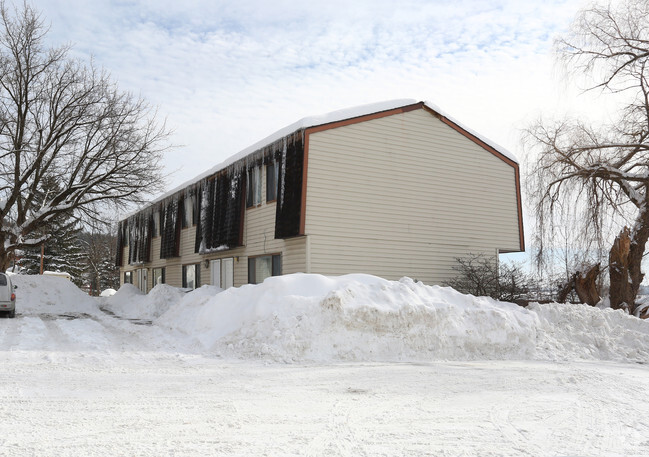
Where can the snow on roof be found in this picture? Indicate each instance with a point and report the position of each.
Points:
(510, 155)
(328, 118)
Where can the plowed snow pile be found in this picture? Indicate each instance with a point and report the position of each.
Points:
(51, 294)
(304, 317)
(131, 303)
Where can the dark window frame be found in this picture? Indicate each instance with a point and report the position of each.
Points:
(153, 276)
(253, 187)
(186, 220)
(276, 266)
(272, 170)
(197, 275)
(155, 231)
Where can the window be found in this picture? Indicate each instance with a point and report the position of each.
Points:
(271, 181)
(253, 187)
(188, 206)
(272, 175)
(128, 277)
(158, 276)
(191, 276)
(156, 224)
(262, 267)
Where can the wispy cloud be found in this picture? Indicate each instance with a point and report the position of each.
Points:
(226, 74)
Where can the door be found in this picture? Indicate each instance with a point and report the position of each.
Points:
(215, 271)
(227, 273)
(142, 279)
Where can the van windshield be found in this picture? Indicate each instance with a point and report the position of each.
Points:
(3, 280)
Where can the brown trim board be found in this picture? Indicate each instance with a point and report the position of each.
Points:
(305, 169)
(364, 117)
(498, 154)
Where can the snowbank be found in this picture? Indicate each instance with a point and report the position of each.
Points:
(131, 303)
(364, 318)
(51, 294)
(571, 332)
(306, 317)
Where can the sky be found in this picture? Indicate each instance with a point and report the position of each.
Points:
(226, 74)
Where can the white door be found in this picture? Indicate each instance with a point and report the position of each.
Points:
(142, 279)
(215, 270)
(227, 273)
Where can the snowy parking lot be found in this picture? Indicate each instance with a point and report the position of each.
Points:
(84, 377)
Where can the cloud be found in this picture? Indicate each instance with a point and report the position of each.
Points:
(225, 74)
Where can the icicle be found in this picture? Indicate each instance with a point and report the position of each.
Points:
(283, 175)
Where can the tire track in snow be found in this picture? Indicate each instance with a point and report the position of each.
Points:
(124, 334)
(58, 340)
(500, 418)
(10, 330)
(338, 438)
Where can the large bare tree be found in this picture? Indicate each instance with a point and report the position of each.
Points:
(65, 120)
(600, 174)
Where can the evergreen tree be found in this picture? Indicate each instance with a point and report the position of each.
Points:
(62, 250)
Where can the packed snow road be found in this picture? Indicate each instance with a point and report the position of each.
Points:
(79, 381)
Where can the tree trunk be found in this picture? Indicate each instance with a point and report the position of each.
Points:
(565, 289)
(625, 259)
(586, 286)
(5, 256)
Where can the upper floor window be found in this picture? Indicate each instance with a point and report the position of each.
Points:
(271, 181)
(156, 224)
(253, 187)
(188, 217)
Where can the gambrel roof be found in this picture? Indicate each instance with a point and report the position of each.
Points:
(347, 114)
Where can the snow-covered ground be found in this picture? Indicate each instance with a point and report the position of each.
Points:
(309, 365)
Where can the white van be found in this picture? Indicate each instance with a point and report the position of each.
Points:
(7, 295)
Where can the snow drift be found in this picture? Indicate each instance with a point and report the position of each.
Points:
(352, 317)
(131, 303)
(304, 317)
(51, 294)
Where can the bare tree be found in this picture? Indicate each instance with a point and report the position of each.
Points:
(61, 118)
(100, 250)
(480, 275)
(599, 176)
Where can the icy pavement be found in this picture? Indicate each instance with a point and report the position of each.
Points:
(153, 404)
(78, 381)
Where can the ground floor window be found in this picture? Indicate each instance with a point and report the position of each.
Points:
(128, 277)
(191, 276)
(262, 267)
(158, 276)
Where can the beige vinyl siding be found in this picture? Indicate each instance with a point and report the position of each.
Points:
(404, 195)
(258, 239)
